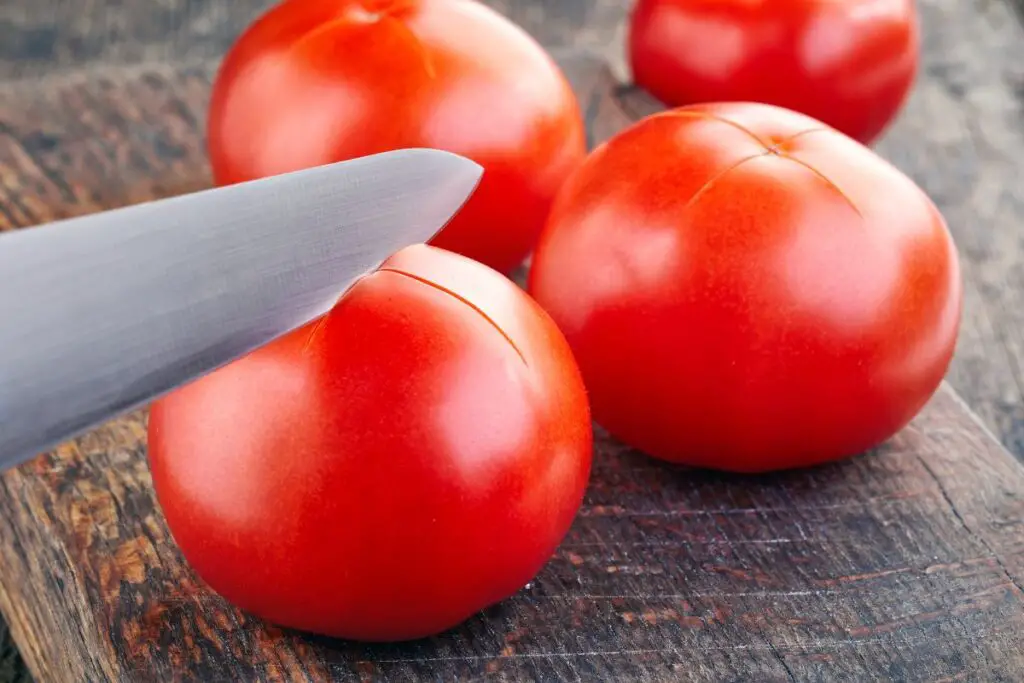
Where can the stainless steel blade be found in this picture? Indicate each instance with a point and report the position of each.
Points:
(101, 314)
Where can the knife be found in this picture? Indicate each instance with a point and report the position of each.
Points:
(104, 313)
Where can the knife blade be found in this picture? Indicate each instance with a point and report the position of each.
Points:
(103, 313)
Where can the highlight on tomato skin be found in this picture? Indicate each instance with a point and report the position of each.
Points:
(312, 82)
(850, 64)
(389, 470)
(747, 289)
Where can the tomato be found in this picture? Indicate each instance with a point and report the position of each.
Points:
(748, 290)
(849, 63)
(317, 82)
(384, 473)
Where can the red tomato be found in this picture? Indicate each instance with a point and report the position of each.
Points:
(746, 289)
(849, 63)
(317, 82)
(386, 472)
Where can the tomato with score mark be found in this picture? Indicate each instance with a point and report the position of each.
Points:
(850, 64)
(387, 471)
(311, 83)
(747, 289)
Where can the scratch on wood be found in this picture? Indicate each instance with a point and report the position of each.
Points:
(956, 513)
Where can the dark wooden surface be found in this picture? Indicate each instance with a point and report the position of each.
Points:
(904, 564)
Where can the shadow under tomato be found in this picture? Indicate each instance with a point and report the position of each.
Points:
(624, 466)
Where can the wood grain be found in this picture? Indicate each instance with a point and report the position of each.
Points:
(906, 563)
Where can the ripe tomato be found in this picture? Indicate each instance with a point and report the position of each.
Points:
(746, 289)
(386, 472)
(317, 82)
(849, 63)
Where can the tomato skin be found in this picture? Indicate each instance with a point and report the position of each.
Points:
(850, 64)
(317, 82)
(746, 289)
(388, 471)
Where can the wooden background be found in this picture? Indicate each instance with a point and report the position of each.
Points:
(961, 137)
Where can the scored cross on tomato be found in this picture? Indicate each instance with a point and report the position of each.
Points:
(748, 289)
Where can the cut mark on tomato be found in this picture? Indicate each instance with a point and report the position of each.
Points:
(465, 301)
(317, 328)
(780, 145)
(707, 116)
(827, 181)
(710, 182)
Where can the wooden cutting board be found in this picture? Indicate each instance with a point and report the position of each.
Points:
(905, 563)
